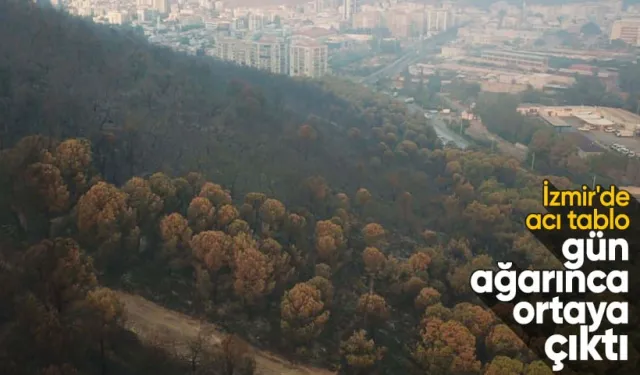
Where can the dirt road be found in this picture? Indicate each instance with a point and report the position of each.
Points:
(152, 322)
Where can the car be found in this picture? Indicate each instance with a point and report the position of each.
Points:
(631, 154)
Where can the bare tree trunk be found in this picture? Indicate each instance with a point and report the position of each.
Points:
(103, 362)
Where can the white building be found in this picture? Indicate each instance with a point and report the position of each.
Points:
(438, 20)
(349, 8)
(162, 6)
(147, 15)
(255, 22)
(268, 53)
(272, 54)
(117, 18)
(308, 58)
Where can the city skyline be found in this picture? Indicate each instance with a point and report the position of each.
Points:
(302, 40)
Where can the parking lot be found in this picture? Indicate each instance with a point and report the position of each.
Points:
(606, 139)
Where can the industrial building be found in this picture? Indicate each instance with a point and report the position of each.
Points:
(558, 124)
(627, 30)
(524, 61)
(594, 120)
(596, 117)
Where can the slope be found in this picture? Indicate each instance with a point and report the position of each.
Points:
(323, 213)
(148, 320)
(147, 108)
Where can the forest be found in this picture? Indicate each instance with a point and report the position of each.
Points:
(313, 218)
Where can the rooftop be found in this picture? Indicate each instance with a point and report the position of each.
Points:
(269, 39)
(622, 116)
(593, 119)
(583, 67)
(514, 54)
(555, 121)
(316, 32)
(305, 42)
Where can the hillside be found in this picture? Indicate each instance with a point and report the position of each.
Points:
(154, 323)
(312, 219)
(63, 77)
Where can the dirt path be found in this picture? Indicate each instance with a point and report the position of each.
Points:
(153, 322)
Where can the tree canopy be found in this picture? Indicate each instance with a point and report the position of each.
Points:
(315, 218)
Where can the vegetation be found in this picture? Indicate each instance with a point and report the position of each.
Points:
(588, 90)
(555, 153)
(311, 217)
(425, 92)
(466, 92)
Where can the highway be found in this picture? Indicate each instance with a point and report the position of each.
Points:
(416, 51)
(403, 63)
(392, 69)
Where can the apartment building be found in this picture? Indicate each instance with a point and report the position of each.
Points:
(399, 23)
(267, 53)
(404, 23)
(162, 6)
(520, 60)
(146, 15)
(272, 54)
(367, 20)
(255, 22)
(349, 8)
(438, 20)
(116, 18)
(308, 58)
(235, 50)
(626, 30)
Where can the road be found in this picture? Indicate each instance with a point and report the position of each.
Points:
(403, 63)
(441, 128)
(391, 69)
(426, 47)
